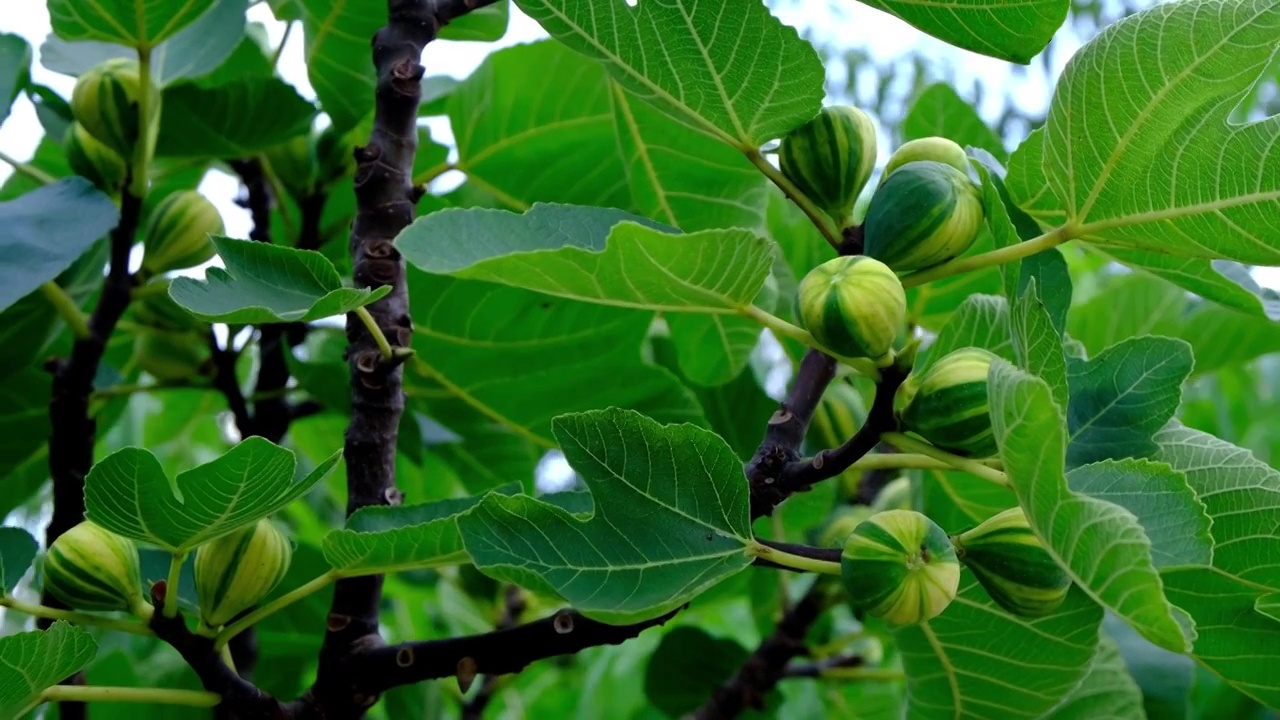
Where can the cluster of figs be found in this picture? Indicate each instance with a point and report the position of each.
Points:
(92, 569)
(926, 209)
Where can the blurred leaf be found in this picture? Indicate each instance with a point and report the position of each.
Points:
(1164, 678)
(140, 24)
(15, 70)
(265, 283)
(17, 552)
(1106, 690)
(236, 119)
(939, 112)
(1013, 32)
(688, 666)
(46, 230)
(338, 57)
(484, 24)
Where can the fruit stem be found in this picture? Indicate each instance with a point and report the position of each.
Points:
(795, 562)
(67, 309)
(384, 347)
(276, 605)
(880, 674)
(147, 97)
(784, 329)
(99, 693)
(908, 461)
(969, 465)
(27, 169)
(1006, 254)
(171, 584)
(72, 616)
(816, 216)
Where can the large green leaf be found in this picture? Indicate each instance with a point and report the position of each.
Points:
(593, 254)
(194, 52)
(17, 552)
(1015, 32)
(939, 112)
(46, 230)
(1107, 690)
(1101, 545)
(1172, 516)
(265, 283)
(572, 356)
(959, 664)
(1120, 398)
(671, 519)
(235, 119)
(1037, 344)
(15, 70)
(339, 59)
(128, 493)
(1138, 148)
(740, 76)
(407, 537)
(1219, 281)
(31, 662)
(534, 123)
(140, 24)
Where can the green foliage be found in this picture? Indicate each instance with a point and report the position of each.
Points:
(609, 312)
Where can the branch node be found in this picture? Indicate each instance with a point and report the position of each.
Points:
(563, 622)
(466, 673)
(404, 657)
(337, 623)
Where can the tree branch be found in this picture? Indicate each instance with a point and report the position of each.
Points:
(768, 664)
(385, 201)
(73, 431)
(494, 653)
(785, 432)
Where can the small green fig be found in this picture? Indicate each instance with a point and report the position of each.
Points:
(91, 568)
(234, 572)
(948, 406)
(178, 233)
(923, 214)
(830, 158)
(854, 306)
(900, 566)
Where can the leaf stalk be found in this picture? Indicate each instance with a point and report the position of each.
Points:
(969, 465)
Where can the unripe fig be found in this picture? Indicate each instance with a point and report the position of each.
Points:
(236, 571)
(90, 568)
(854, 306)
(170, 355)
(93, 160)
(895, 495)
(842, 524)
(1012, 565)
(947, 405)
(178, 233)
(156, 310)
(900, 566)
(830, 158)
(922, 215)
(938, 149)
(105, 100)
(294, 163)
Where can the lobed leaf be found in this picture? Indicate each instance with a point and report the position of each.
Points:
(17, 552)
(593, 255)
(388, 539)
(265, 283)
(140, 24)
(1139, 148)
(31, 662)
(128, 493)
(741, 75)
(671, 519)
(1100, 544)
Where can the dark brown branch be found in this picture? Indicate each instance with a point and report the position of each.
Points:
(513, 605)
(760, 674)
(815, 669)
(494, 653)
(385, 201)
(801, 475)
(73, 431)
(785, 432)
(239, 696)
(227, 382)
